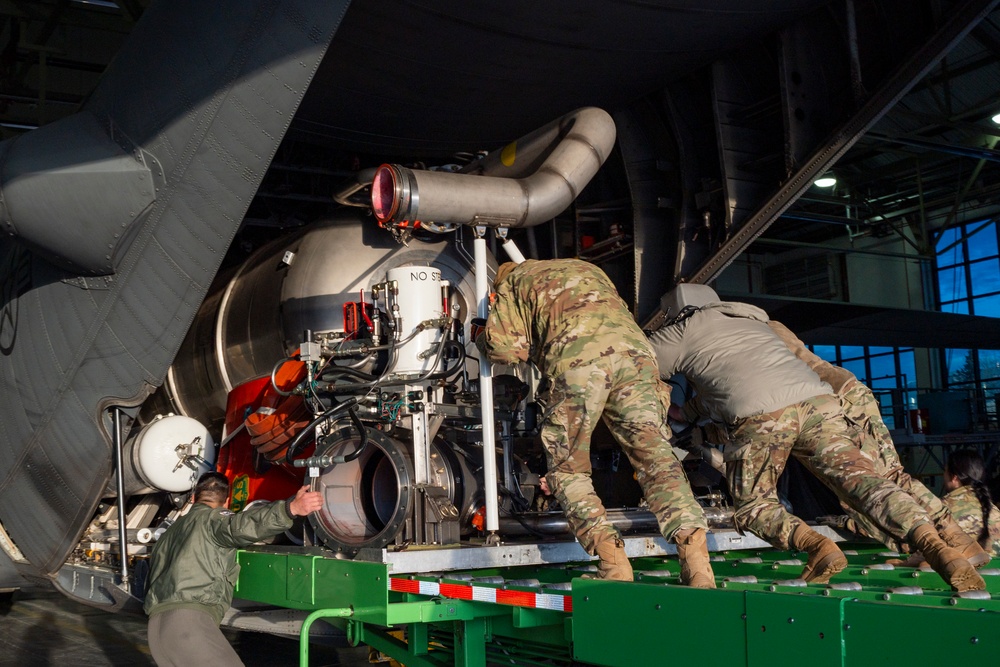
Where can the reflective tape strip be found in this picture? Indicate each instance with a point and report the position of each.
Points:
(556, 602)
(456, 591)
(404, 585)
(484, 594)
(511, 598)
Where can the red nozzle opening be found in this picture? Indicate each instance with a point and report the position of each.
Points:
(385, 193)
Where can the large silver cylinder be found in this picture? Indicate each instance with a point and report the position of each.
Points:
(256, 314)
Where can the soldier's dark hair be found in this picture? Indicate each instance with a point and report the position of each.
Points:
(968, 466)
(213, 487)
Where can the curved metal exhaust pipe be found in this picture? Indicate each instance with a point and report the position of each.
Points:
(531, 180)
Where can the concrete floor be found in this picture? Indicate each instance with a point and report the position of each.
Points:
(40, 626)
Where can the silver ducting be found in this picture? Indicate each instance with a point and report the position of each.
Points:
(531, 180)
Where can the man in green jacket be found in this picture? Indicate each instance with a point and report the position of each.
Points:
(193, 570)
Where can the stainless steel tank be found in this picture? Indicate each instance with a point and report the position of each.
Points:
(257, 314)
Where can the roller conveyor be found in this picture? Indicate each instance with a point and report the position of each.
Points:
(760, 614)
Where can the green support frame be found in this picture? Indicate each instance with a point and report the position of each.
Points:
(759, 616)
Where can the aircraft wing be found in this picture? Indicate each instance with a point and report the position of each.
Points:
(119, 218)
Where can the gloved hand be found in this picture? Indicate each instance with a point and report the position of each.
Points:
(477, 332)
(477, 326)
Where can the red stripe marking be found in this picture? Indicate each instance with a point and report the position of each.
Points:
(457, 591)
(516, 598)
(463, 592)
(405, 585)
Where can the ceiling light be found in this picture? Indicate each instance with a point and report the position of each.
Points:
(825, 181)
(996, 119)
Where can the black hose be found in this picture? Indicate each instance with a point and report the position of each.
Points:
(462, 356)
(429, 375)
(346, 370)
(516, 516)
(364, 436)
(296, 443)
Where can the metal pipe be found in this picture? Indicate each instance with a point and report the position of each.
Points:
(625, 520)
(563, 156)
(532, 243)
(486, 389)
(857, 87)
(342, 612)
(120, 484)
(353, 192)
(513, 251)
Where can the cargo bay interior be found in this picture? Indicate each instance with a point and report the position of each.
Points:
(833, 162)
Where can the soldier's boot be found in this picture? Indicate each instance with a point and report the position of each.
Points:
(825, 557)
(614, 565)
(692, 552)
(946, 561)
(955, 537)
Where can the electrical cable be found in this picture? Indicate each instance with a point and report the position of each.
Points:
(300, 437)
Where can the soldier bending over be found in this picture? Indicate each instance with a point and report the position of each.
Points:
(566, 316)
(775, 406)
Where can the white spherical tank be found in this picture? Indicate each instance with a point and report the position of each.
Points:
(171, 453)
(419, 299)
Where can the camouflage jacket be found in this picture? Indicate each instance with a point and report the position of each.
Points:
(965, 507)
(559, 314)
(737, 364)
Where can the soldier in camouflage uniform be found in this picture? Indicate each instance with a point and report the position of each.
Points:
(566, 317)
(968, 499)
(776, 406)
(862, 411)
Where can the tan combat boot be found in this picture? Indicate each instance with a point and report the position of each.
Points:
(825, 557)
(692, 552)
(946, 561)
(614, 565)
(957, 538)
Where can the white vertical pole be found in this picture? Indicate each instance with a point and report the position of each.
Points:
(486, 388)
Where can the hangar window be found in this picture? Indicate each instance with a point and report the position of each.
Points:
(968, 269)
(889, 371)
(968, 282)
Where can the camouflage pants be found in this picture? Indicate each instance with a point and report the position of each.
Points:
(626, 390)
(862, 409)
(816, 433)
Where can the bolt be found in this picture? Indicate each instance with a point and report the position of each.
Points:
(791, 620)
(974, 640)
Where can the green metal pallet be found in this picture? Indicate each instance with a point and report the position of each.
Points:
(534, 615)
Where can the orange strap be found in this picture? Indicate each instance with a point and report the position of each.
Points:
(279, 418)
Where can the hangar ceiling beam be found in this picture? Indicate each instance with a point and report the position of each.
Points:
(962, 20)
